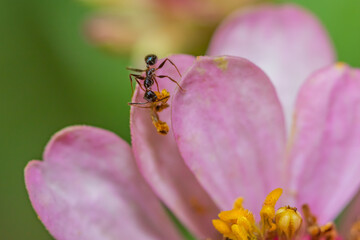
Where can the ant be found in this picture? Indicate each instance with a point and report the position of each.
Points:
(156, 103)
(150, 76)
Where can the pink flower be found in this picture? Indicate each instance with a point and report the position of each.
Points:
(228, 139)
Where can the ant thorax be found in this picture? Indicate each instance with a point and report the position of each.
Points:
(150, 72)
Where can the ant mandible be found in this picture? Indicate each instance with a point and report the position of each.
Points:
(150, 76)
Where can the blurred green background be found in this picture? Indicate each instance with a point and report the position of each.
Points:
(51, 77)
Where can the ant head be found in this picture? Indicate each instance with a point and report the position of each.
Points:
(150, 59)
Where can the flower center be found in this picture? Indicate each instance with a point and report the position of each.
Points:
(285, 223)
(239, 223)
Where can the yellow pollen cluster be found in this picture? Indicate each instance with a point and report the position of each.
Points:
(239, 223)
(158, 106)
(163, 96)
(161, 127)
(267, 212)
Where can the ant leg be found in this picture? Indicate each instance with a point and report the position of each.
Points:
(140, 104)
(157, 84)
(163, 63)
(131, 84)
(164, 76)
(135, 69)
(137, 78)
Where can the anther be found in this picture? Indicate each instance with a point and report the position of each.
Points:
(161, 127)
(236, 224)
(238, 203)
(288, 222)
(222, 227)
(267, 212)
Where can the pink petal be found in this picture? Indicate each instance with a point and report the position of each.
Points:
(325, 153)
(286, 41)
(88, 187)
(230, 130)
(349, 217)
(161, 164)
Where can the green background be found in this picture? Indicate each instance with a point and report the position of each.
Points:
(51, 78)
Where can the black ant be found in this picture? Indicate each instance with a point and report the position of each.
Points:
(156, 103)
(150, 76)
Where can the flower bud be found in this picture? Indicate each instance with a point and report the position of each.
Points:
(288, 222)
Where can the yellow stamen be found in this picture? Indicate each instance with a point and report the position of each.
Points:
(161, 127)
(236, 224)
(158, 106)
(239, 223)
(288, 222)
(222, 227)
(238, 203)
(267, 212)
(239, 232)
(234, 214)
(162, 96)
(273, 197)
(248, 226)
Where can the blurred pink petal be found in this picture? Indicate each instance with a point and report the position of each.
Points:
(325, 150)
(349, 217)
(287, 42)
(230, 129)
(111, 31)
(88, 187)
(161, 164)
